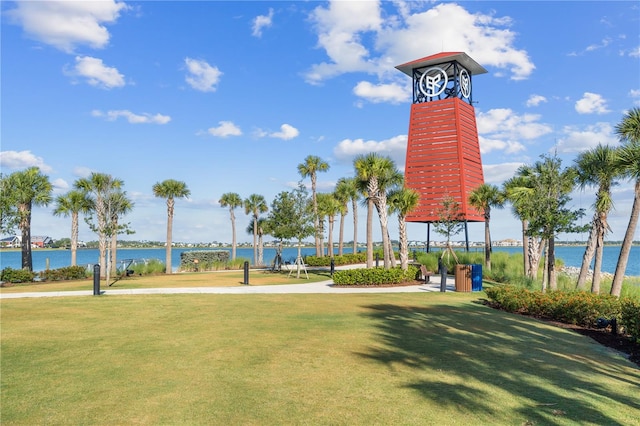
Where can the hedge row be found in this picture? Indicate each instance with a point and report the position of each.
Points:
(202, 259)
(578, 307)
(16, 276)
(375, 276)
(345, 259)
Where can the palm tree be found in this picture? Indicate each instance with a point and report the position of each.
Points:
(311, 166)
(119, 205)
(329, 206)
(628, 130)
(402, 202)
(551, 185)
(597, 167)
(231, 200)
(483, 198)
(340, 194)
(259, 228)
(72, 204)
(170, 189)
(254, 205)
(377, 174)
(28, 188)
(519, 192)
(98, 187)
(347, 188)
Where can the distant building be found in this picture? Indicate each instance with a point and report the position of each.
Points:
(40, 241)
(11, 242)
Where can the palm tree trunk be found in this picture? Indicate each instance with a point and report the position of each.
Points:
(354, 208)
(233, 236)
(595, 283)
(588, 254)
(404, 244)
(381, 207)
(255, 240)
(74, 238)
(114, 248)
(330, 242)
(625, 250)
(487, 245)
(551, 264)
(25, 227)
(525, 247)
(167, 265)
(370, 233)
(341, 236)
(545, 276)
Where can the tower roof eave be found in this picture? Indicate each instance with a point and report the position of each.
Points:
(462, 58)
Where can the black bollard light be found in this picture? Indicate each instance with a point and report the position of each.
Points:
(96, 279)
(443, 277)
(377, 259)
(246, 273)
(333, 266)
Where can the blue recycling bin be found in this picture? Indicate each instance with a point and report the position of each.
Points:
(476, 277)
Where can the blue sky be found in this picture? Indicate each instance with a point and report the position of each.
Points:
(232, 96)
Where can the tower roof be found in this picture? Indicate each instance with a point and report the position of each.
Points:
(439, 58)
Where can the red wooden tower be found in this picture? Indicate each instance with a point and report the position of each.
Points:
(443, 153)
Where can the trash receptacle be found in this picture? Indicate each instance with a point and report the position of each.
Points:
(462, 277)
(476, 277)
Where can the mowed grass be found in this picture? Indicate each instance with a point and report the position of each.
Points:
(336, 359)
(185, 279)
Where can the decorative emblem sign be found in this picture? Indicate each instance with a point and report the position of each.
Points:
(433, 82)
(465, 83)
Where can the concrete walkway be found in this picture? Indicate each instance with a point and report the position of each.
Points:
(311, 288)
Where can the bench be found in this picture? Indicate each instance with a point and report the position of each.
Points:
(425, 275)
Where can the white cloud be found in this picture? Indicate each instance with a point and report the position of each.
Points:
(578, 140)
(393, 92)
(97, 73)
(395, 147)
(224, 129)
(82, 172)
(503, 129)
(604, 43)
(342, 27)
(59, 185)
(67, 24)
(339, 29)
(17, 160)
(202, 76)
(592, 103)
(507, 146)
(260, 22)
(286, 132)
(496, 174)
(535, 100)
(144, 118)
(635, 96)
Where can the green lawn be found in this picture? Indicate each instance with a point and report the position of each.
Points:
(338, 359)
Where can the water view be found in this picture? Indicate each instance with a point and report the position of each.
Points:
(570, 255)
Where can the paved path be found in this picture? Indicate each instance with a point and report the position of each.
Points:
(311, 288)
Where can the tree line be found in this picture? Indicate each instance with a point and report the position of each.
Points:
(538, 195)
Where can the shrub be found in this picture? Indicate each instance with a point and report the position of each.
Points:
(66, 273)
(375, 276)
(345, 259)
(630, 317)
(572, 307)
(148, 267)
(14, 276)
(205, 259)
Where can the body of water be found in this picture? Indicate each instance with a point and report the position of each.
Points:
(570, 255)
